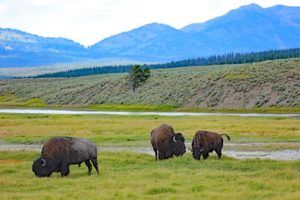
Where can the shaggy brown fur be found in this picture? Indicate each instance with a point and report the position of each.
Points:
(166, 143)
(60, 152)
(205, 142)
(55, 148)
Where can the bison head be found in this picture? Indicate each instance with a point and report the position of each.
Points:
(42, 167)
(177, 142)
(197, 151)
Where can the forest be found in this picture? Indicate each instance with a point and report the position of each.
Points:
(230, 58)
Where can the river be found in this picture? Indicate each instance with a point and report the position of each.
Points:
(84, 112)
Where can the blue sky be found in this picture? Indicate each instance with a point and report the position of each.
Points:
(88, 21)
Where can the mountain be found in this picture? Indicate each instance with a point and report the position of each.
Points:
(245, 29)
(154, 41)
(18, 48)
(251, 28)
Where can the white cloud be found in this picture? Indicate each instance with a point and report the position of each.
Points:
(91, 20)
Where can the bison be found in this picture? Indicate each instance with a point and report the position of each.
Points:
(205, 142)
(166, 143)
(60, 152)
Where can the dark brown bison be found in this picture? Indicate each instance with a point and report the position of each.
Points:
(60, 152)
(205, 142)
(166, 143)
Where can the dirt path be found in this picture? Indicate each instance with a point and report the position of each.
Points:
(285, 154)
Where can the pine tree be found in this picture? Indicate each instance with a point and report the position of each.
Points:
(137, 76)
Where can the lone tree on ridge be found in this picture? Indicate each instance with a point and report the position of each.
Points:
(137, 76)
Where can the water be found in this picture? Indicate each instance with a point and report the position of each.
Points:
(82, 112)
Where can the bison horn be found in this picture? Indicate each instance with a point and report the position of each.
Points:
(190, 149)
(44, 162)
(174, 139)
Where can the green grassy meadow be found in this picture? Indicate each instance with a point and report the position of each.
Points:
(135, 130)
(129, 175)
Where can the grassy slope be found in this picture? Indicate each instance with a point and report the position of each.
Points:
(135, 130)
(265, 84)
(137, 176)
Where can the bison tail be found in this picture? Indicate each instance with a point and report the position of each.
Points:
(226, 136)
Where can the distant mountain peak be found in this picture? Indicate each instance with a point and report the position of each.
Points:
(155, 26)
(251, 6)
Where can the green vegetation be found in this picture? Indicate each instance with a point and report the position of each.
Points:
(270, 85)
(13, 101)
(231, 58)
(135, 130)
(127, 175)
(137, 76)
(136, 176)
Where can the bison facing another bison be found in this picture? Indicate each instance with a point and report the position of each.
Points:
(205, 142)
(60, 152)
(166, 143)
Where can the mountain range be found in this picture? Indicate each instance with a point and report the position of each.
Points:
(246, 29)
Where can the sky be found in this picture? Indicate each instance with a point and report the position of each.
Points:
(89, 21)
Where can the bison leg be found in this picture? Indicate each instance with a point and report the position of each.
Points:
(219, 149)
(64, 171)
(205, 155)
(95, 163)
(219, 152)
(155, 151)
(88, 164)
(161, 156)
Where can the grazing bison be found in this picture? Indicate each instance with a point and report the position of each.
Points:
(60, 152)
(166, 143)
(205, 142)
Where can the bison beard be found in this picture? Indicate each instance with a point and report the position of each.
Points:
(166, 143)
(59, 152)
(205, 142)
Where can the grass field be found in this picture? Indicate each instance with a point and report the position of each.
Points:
(128, 175)
(136, 176)
(135, 130)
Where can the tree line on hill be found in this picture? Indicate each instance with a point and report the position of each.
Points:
(230, 58)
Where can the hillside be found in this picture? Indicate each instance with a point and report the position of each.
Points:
(265, 84)
(245, 29)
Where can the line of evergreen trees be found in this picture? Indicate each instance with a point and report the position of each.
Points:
(230, 58)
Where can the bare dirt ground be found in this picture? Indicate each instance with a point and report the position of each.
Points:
(235, 150)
